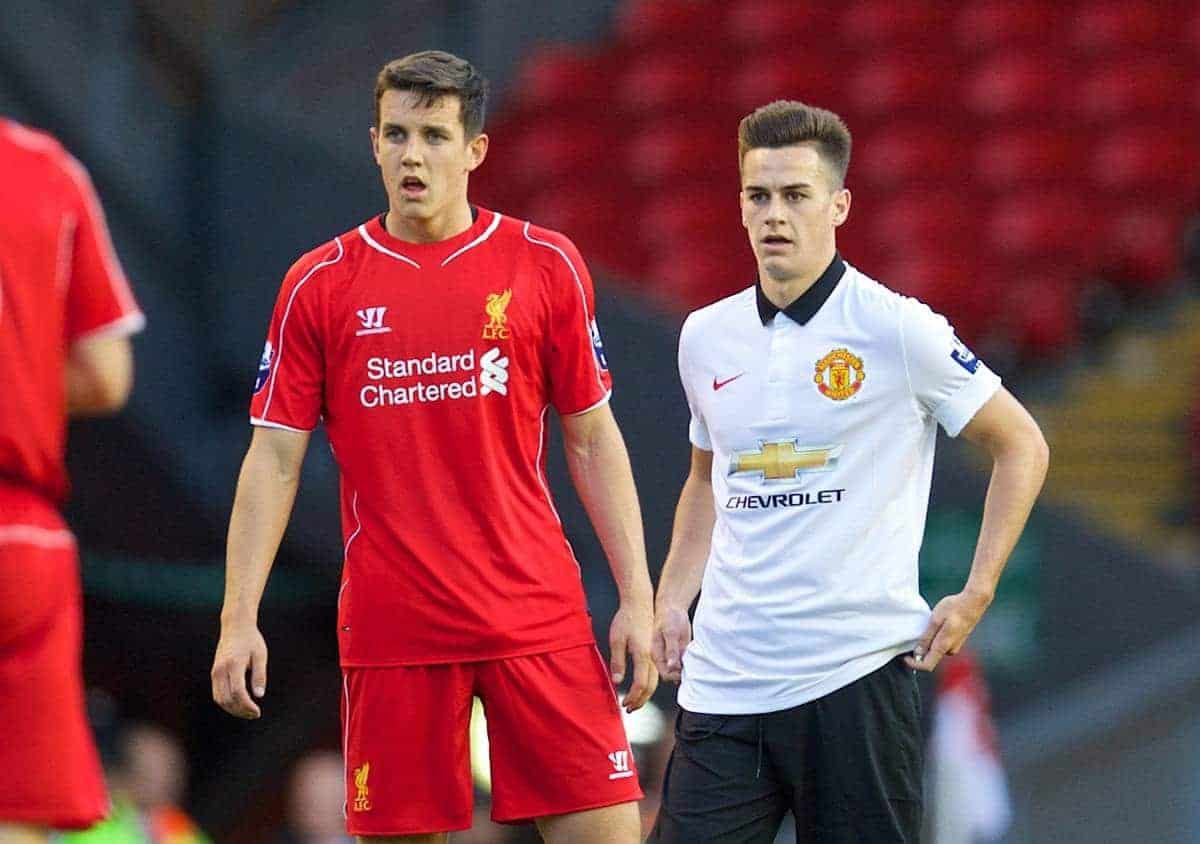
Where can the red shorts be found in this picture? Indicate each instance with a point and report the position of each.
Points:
(50, 772)
(555, 734)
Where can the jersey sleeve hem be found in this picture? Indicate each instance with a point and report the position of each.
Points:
(603, 400)
(956, 411)
(123, 326)
(259, 422)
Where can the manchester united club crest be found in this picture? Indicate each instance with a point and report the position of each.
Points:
(839, 375)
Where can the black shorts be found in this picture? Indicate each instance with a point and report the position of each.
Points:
(848, 766)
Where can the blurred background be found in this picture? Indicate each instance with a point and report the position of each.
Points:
(1029, 168)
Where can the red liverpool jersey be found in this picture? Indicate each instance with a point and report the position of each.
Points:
(59, 283)
(434, 367)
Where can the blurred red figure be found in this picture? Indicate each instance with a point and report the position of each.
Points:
(66, 313)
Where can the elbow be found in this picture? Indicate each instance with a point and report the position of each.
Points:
(112, 394)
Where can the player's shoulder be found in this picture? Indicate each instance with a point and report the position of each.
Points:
(544, 244)
(878, 304)
(328, 254)
(720, 312)
(27, 150)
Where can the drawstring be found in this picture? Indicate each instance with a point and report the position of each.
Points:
(758, 770)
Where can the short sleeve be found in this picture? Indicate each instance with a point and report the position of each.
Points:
(697, 429)
(948, 381)
(99, 299)
(577, 367)
(289, 387)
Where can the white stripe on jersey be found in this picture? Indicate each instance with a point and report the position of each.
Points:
(486, 234)
(374, 244)
(283, 323)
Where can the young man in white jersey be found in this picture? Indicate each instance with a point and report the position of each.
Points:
(432, 342)
(815, 397)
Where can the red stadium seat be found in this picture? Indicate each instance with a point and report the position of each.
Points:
(1142, 87)
(901, 82)
(1142, 247)
(1023, 156)
(549, 151)
(755, 23)
(876, 23)
(1037, 225)
(667, 22)
(694, 214)
(1109, 26)
(560, 76)
(909, 153)
(668, 152)
(1015, 85)
(666, 82)
(693, 277)
(1041, 314)
(943, 219)
(1165, 159)
(780, 76)
(987, 24)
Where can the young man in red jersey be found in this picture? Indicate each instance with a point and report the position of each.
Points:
(66, 313)
(433, 341)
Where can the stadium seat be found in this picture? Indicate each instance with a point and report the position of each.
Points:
(1162, 158)
(662, 83)
(1019, 84)
(922, 218)
(778, 76)
(1036, 225)
(668, 152)
(560, 77)
(693, 214)
(692, 277)
(907, 153)
(1144, 86)
(753, 24)
(1111, 26)
(1012, 157)
(670, 22)
(1040, 314)
(988, 24)
(901, 81)
(552, 151)
(871, 24)
(1142, 247)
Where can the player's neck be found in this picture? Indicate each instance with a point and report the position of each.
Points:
(454, 221)
(781, 292)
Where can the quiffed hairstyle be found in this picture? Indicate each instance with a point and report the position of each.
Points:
(785, 123)
(434, 74)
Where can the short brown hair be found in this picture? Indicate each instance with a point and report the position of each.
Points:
(433, 74)
(785, 123)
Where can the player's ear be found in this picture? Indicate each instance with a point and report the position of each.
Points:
(478, 148)
(841, 206)
(375, 143)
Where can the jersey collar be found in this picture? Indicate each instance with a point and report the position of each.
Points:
(805, 306)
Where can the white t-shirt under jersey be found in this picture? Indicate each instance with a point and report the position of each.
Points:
(822, 421)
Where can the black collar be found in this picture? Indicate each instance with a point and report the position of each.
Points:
(805, 306)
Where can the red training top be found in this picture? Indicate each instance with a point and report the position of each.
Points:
(60, 282)
(434, 367)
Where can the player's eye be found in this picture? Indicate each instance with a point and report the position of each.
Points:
(794, 196)
(435, 137)
(757, 196)
(392, 133)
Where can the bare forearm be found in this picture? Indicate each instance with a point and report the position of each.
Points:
(600, 470)
(690, 541)
(1017, 476)
(99, 376)
(265, 493)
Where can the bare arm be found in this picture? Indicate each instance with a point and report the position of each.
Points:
(265, 492)
(1020, 458)
(684, 569)
(600, 471)
(99, 375)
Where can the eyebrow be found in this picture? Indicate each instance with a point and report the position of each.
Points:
(797, 186)
(442, 127)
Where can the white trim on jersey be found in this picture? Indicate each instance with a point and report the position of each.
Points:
(266, 423)
(119, 327)
(587, 330)
(283, 322)
(36, 535)
(604, 400)
(492, 226)
(346, 744)
(374, 244)
(116, 275)
(350, 540)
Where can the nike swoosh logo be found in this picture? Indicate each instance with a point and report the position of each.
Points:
(719, 384)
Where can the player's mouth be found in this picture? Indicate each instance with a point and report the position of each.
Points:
(776, 243)
(412, 187)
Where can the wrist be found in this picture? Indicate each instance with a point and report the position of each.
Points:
(239, 616)
(981, 595)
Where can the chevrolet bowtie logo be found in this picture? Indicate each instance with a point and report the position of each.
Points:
(784, 460)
